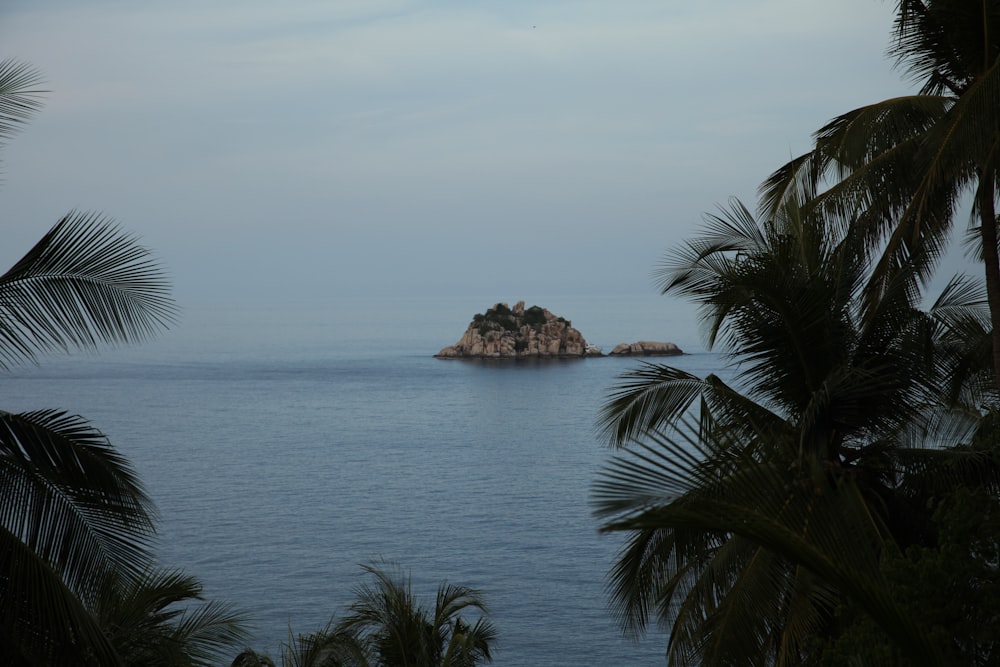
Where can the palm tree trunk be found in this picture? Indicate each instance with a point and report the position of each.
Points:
(991, 259)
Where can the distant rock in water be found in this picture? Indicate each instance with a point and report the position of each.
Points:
(645, 348)
(505, 333)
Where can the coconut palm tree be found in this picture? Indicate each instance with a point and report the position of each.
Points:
(753, 506)
(72, 512)
(902, 168)
(387, 627)
(150, 621)
(397, 631)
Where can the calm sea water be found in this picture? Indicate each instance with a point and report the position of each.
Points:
(286, 445)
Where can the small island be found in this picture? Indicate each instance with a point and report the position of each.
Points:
(503, 332)
(645, 348)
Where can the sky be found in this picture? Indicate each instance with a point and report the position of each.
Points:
(288, 151)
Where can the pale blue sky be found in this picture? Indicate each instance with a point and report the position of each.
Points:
(272, 150)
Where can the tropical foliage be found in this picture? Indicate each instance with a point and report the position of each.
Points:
(151, 620)
(807, 505)
(76, 526)
(902, 169)
(951, 587)
(803, 458)
(386, 626)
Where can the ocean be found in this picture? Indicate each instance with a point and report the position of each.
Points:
(286, 444)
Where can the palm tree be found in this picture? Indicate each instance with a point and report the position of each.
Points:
(72, 512)
(150, 623)
(749, 521)
(386, 618)
(387, 627)
(901, 168)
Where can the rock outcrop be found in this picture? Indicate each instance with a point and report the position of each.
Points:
(645, 348)
(517, 333)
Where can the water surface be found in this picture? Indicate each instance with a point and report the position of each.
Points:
(284, 445)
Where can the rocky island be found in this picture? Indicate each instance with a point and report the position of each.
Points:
(645, 348)
(518, 333)
(503, 332)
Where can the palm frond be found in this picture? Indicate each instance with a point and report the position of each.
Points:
(250, 658)
(329, 647)
(468, 646)
(646, 399)
(387, 623)
(945, 45)
(452, 600)
(209, 632)
(695, 270)
(20, 96)
(42, 621)
(84, 283)
(963, 356)
(800, 518)
(859, 155)
(153, 620)
(72, 498)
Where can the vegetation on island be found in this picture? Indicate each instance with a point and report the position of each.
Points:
(501, 318)
(498, 318)
(534, 317)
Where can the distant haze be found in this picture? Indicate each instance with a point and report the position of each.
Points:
(300, 149)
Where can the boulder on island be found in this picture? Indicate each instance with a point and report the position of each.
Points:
(518, 333)
(645, 348)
